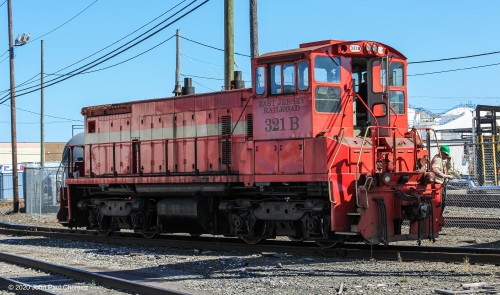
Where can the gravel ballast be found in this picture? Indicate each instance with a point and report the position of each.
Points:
(199, 271)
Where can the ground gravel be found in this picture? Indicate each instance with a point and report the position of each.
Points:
(201, 271)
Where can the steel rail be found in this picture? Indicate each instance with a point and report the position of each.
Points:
(87, 276)
(348, 251)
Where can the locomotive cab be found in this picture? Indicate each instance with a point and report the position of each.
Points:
(334, 113)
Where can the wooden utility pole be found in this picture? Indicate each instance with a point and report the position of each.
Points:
(228, 43)
(254, 29)
(178, 89)
(13, 113)
(42, 131)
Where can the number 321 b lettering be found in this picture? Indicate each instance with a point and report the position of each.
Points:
(281, 124)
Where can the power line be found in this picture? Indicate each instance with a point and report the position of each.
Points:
(213, 47)
(33, 123)
(455, 97)
(453, 58)
(22, 84)
(204, 86)
(124, 37)
(96, 63)
(55, 117)
(201, 77)
(53, 30)
(193, 58)
(122, 62)
(454, 70)
(50, 116)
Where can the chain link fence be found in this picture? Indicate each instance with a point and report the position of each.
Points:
(42, 190)
(473, 198)
(6, 186)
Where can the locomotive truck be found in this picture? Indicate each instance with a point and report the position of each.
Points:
(303, 153)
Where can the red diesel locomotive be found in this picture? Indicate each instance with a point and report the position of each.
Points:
(315, 150)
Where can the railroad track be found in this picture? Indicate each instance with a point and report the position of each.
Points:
(348, 251)
(69, 276)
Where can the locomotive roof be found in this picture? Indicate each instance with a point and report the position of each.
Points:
(316, 46)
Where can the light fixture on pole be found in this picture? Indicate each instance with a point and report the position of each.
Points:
(20, 40)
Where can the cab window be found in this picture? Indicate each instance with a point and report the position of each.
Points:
(275, 79)
(397, 99)
(326, 69)
(259, 80)
(303, 75)
(289, 78)
(327, 99)
(397, 74)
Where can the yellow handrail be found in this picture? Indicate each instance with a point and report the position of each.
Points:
(493, 150)
(481, 138)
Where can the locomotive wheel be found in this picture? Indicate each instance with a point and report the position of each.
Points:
(105, 231)
(149, 235)
(325, 244)
(251, 240)
(106, 227)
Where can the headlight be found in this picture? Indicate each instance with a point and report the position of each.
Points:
(386, 178)
(375, 48)
(368, 48)
(380, 50)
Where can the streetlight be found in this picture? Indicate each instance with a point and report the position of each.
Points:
(20, 40)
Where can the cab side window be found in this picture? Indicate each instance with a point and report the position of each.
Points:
(303, 75)
(260, 80)
(397, 74)
(327, 99)
(289, 78)
(275, 79)
(326, 69)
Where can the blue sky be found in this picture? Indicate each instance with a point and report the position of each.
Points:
(422, 30)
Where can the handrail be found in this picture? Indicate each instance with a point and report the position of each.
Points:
(366, 107)
(342, 130)
(481, 138)
(357, 164)
(359, 157)
(494, 152)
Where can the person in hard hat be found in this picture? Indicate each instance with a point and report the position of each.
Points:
(441, 165)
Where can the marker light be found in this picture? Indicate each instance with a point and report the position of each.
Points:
(375, 48)
(380, 50)
(368, 47)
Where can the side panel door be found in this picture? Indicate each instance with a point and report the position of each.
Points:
(291, 156)
(266, 157)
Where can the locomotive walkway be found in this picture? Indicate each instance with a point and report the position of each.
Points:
(471, 255)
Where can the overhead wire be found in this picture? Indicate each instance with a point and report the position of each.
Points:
(213, 47)
(106, 57)
(117, 41)
(62, 25)
(453, 70)
(50, 116)
(53, 30)
(453, 58)
(127, 60)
